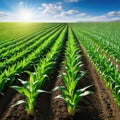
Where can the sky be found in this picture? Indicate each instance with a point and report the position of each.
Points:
(59, 10)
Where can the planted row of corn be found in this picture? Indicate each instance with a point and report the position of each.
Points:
(108, 71)
(19, 67)
(13, 44)
(107, 40)
(12, 40)
(26, 49)
(72, 75)
(109, 45)
(33, 87)
(12, 49)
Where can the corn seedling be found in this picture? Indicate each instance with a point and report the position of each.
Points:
(71, 77)
(30, 91)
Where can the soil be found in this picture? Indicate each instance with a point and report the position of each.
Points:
(97, 106)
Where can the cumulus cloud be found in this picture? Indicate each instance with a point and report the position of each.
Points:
(93, 18)
(99, 18)
(65, 14)
(115, 19)
(69, 12)
(81, 14)
(3, 14)
(55, 11)
(6, 16)
(112, 13)
(71, 0)
(51, 8)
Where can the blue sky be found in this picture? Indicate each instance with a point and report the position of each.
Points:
(59, 10)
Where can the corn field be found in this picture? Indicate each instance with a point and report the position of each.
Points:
(60, 71)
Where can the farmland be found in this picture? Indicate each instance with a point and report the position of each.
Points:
(60, 71)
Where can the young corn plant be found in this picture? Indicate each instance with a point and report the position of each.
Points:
(72, 76)
(30, 90)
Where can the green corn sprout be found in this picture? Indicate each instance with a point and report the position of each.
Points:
(72, 100)
(30, 90)
(71, 77)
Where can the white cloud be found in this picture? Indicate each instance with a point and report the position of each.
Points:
(71, 0)
(81, 14)
(112, 13)
(51, 8)
(115, 19)
(6, 16)
(69, 12)
(99, 18)
(55, 12)
(93, 18)
(3, 14)
(66, 14)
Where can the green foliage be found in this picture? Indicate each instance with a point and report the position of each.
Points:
(96, 53)
(19, 66)
(30, 90)
(71, 77)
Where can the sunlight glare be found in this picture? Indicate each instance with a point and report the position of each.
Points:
(25, 15)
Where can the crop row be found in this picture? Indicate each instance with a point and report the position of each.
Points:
(9, 49)
(26, 49)
(20, 66)
(109, 45)
(107, 40)
(33, 87)
(47, 50)
(12, 31)
(104, 66)
(72, 75)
